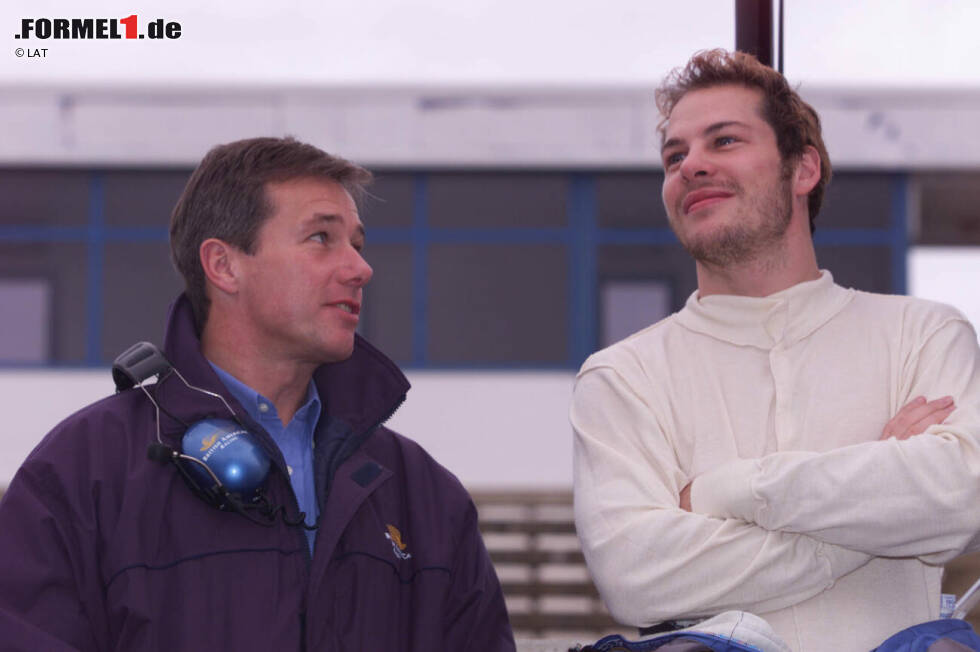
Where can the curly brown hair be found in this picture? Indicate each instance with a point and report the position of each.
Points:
(795, 122)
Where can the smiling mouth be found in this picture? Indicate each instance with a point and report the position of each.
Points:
(703, 203)
(699, 199)
(349, 308)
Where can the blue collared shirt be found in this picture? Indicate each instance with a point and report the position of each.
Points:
(295, 439)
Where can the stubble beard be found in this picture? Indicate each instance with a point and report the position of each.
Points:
(741, 241)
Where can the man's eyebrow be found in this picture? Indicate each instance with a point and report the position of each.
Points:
(718, 126)
(710, 129)
(333, 218)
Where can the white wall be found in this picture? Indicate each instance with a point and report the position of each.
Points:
(492, 429)
(486, 126)
(949, 275)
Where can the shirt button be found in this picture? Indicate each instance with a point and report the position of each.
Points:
(263, 407)
(290, 469)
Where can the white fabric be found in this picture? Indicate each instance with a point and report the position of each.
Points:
(742, 627)
(775, 406)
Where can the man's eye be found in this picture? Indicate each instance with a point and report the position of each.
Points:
(320, 236)
(725, 140)
(673, 159)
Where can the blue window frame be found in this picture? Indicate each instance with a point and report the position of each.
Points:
(581, 239)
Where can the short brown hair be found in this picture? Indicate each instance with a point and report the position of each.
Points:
(225, 198)
(795, 122)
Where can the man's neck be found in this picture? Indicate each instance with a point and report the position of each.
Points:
(285, 383)
(791, 262)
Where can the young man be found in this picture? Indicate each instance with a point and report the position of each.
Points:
(102, 548)
(754, 451)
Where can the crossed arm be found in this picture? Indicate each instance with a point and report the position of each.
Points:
(771, 532)
(652, 561)
(913, 419)
(925, 488)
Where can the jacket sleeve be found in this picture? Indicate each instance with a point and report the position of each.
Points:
(42, 569)
(653, 561)
(477, 616)
(916, 497)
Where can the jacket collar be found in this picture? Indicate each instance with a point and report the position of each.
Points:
(363, 390)
(782, 318)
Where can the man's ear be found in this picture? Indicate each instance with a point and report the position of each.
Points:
(220, 263)
(807, 174)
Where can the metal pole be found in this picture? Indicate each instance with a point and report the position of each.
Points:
(753, 28)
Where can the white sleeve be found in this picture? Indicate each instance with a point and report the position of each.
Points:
(917, 497)
(652, 561)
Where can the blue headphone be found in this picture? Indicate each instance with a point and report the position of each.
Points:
(219, 459)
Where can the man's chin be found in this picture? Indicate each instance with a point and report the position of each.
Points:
(341, 352)
(722, 248)
(332, 352)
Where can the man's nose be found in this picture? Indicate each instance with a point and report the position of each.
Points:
(358, 270)
(696, 163)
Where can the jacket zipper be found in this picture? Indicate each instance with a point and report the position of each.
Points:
(359, 440)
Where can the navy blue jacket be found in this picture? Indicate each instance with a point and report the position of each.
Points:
(104, 549)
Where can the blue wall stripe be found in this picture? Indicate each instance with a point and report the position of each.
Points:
(582, 268)
(96, 269)
(420, 271)
(894, 235)
(899, 234)
(509, 236)
(26, 233)
(137, 234)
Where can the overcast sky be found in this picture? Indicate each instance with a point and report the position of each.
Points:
(489, 42)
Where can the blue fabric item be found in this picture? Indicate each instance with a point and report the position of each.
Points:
(294, 439)
(711, 641)
(921, 637)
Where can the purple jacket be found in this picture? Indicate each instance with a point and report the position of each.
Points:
(103, 549)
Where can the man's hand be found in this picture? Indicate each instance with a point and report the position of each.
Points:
(686, 498)
(916, 416)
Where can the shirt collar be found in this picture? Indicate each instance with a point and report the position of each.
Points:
(252, 401)
(781, 318)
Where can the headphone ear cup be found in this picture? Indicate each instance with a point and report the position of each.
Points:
(231, 453)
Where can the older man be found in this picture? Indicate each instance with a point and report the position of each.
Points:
(364, 541)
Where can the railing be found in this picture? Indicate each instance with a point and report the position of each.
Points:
(532, 542)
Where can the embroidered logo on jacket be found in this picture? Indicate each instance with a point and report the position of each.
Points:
(397, 545)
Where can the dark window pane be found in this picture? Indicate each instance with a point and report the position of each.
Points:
(490, 304)
(857, 200)
(44, 197)
(859, 267)
(631, 200)
(495, 199)
(390, 201)
(627, 307)
(386, 317)
(26, 306)
(65, 267)
(669, 264)
(140, 284)
(142, 198)
(949, 208)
